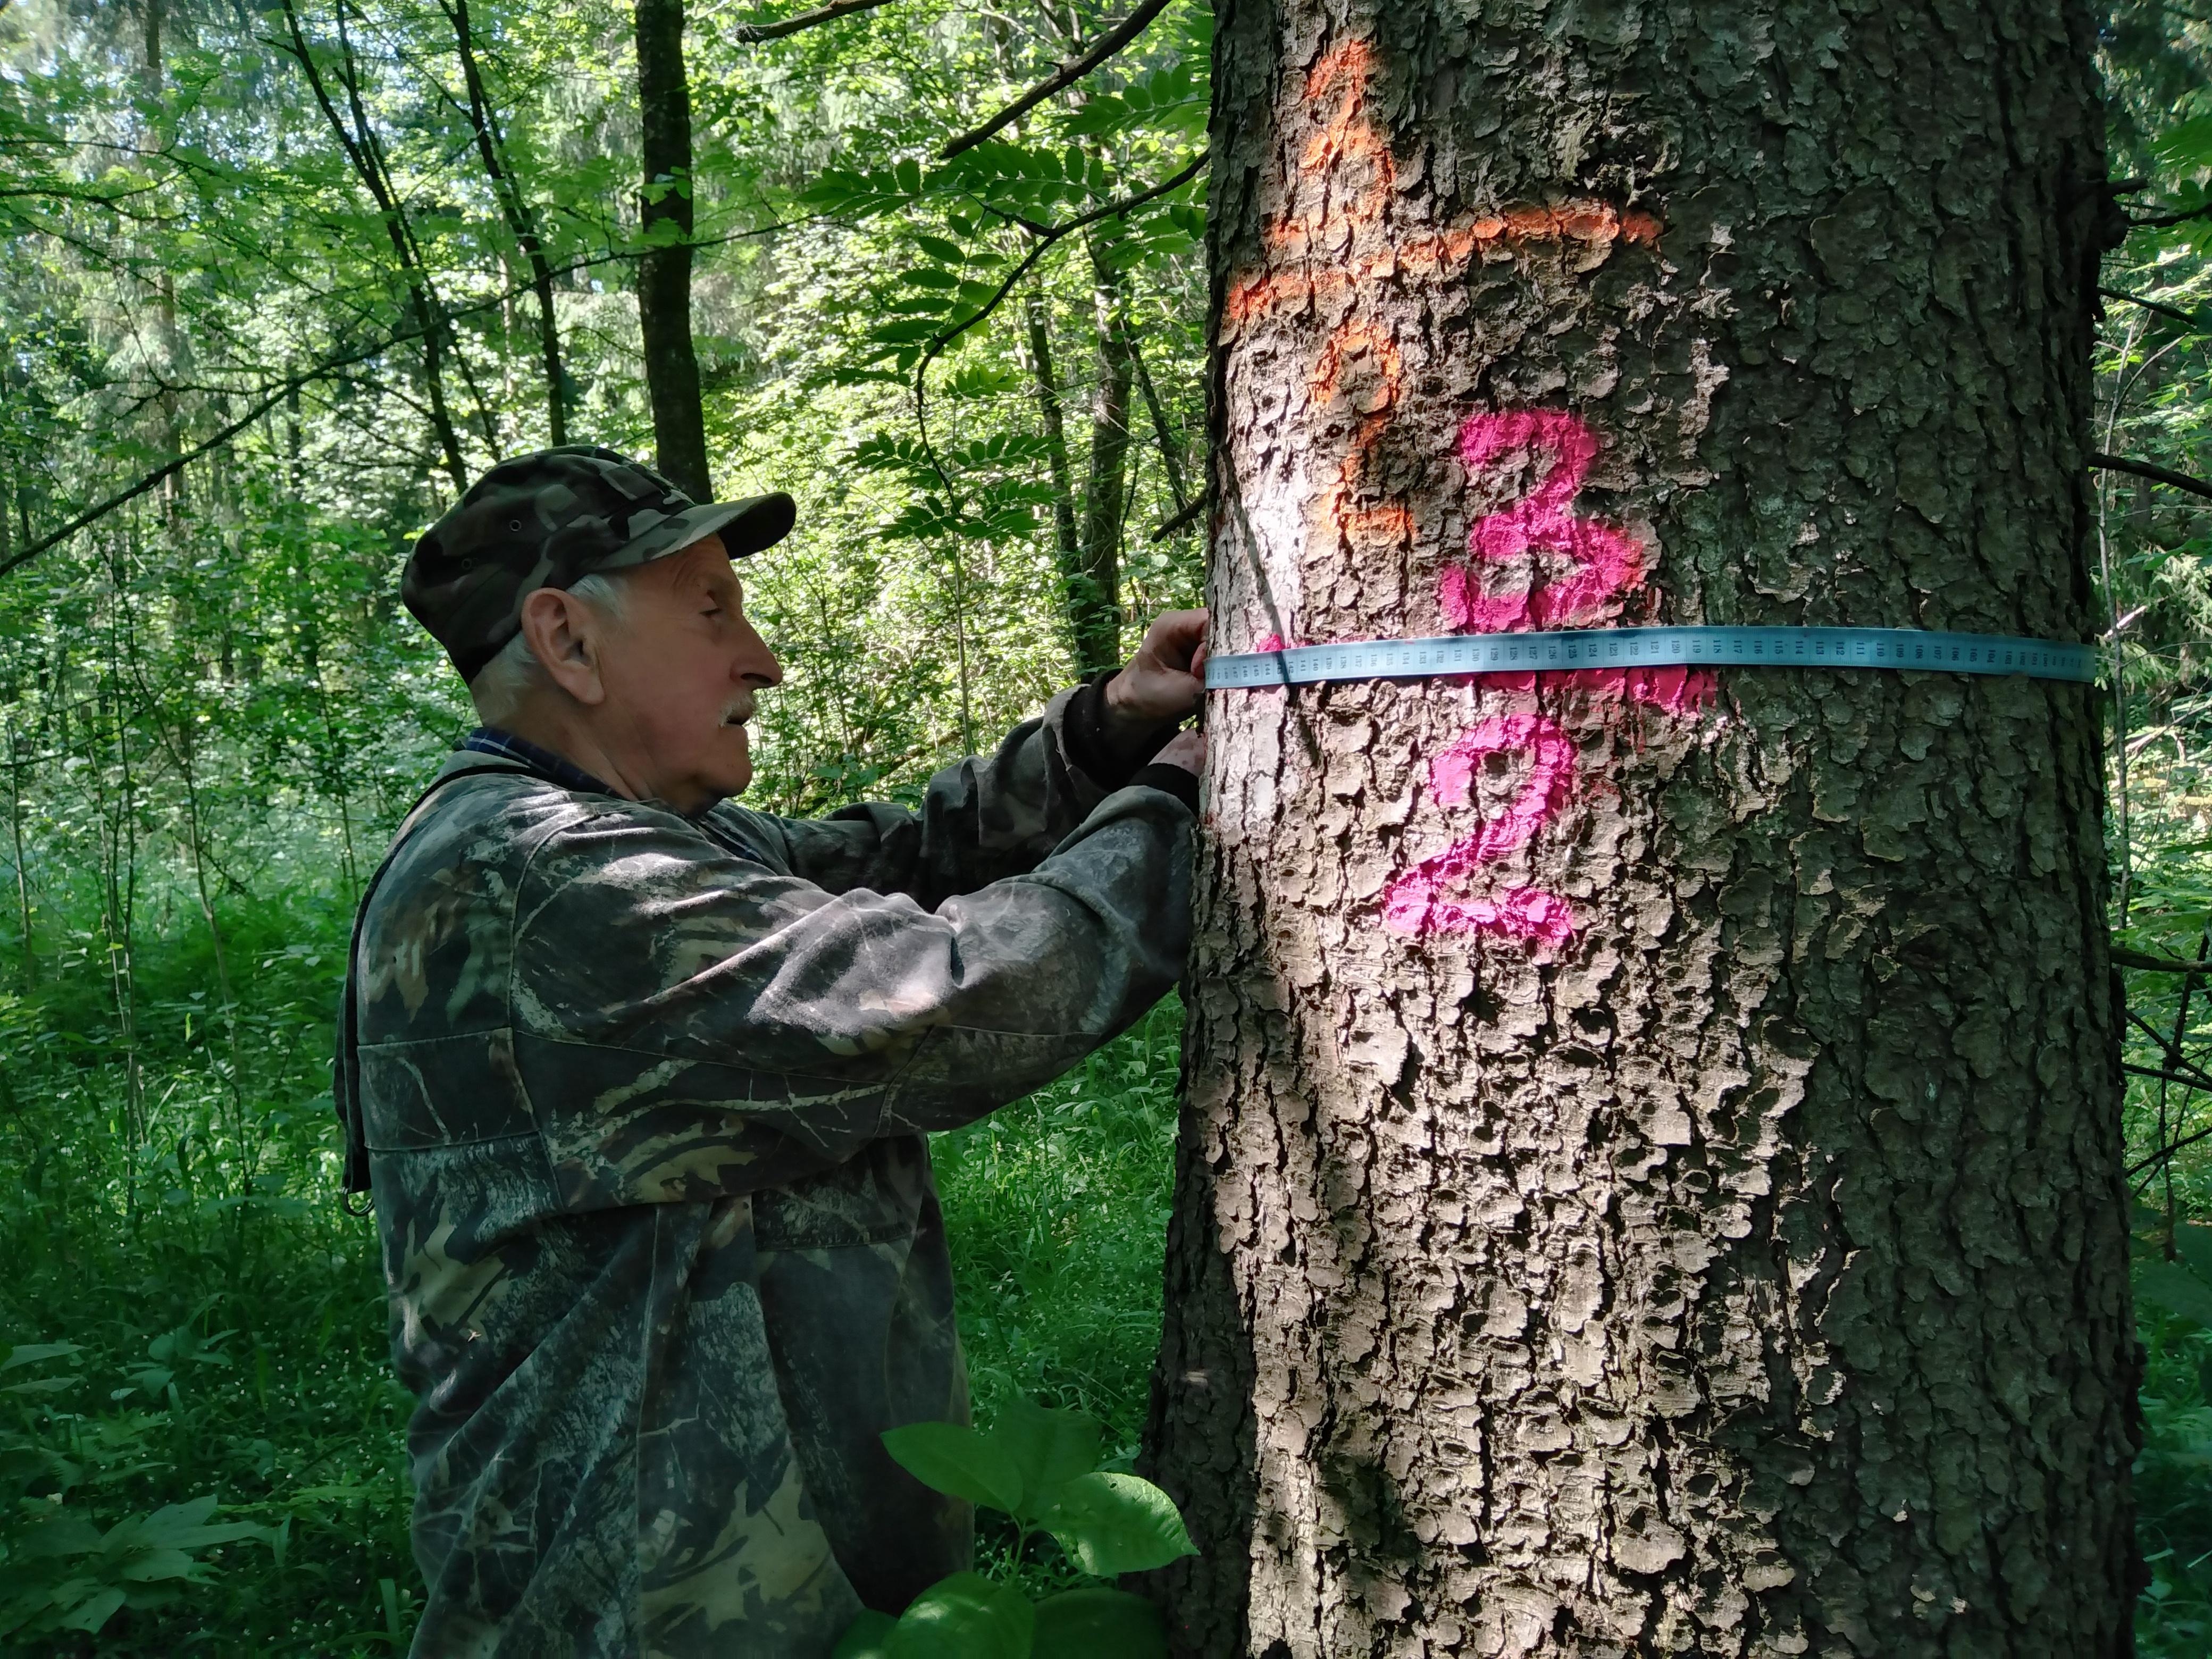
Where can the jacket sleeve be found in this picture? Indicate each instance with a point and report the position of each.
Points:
(980, 820)
(688, 1024)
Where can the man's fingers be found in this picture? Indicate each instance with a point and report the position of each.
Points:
(1175, 635)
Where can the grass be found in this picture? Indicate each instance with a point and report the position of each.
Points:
(233, 1346)
(222, 1335)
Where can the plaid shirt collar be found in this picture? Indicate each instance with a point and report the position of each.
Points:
(490, 740)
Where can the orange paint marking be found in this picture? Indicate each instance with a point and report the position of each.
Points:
(1336, 247)
(1392, 522)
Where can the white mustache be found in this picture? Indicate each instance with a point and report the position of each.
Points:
(736, 711)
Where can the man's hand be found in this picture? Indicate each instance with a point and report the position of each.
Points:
(1163, 682)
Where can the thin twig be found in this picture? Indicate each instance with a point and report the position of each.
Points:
(1110, 43)
(748, 32)
(323, 371)
(2163, 1154)
(2174, 1057)
(2156, 474)
(2134, 1070)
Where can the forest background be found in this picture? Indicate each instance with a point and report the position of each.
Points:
(338, 255)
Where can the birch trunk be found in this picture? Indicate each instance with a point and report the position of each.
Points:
(1649, 1175)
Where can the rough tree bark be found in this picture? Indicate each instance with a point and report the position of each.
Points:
(664, 274)
(1649, 1182)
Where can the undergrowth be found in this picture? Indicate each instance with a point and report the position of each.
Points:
(183, 1331)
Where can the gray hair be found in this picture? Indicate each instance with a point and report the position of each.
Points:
(506, 683)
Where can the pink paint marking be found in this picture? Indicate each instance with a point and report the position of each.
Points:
(1418, 901)
(1678, 692)
(1607, 559)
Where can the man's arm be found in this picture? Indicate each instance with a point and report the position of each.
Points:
(687, 1025)
(989, 817)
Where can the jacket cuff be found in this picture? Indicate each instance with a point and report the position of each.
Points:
(1170, 779)
(1083, 741)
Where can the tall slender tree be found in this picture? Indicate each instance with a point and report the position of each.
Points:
(514, 207)
(1649, 1175)
(664, 274)
(1095, 595)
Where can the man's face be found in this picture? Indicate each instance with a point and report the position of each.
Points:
(680, 670)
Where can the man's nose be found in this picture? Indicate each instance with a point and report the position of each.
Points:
(756, 664)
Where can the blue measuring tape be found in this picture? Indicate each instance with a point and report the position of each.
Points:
(1655, 647)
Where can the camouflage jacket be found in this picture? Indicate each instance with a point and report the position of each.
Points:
(643, 1098)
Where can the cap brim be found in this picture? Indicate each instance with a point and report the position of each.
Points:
(744, 526)
(748, 525)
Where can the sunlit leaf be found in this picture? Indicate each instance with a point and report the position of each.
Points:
(1111, 1524)
(951, 1458)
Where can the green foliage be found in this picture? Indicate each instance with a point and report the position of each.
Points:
(212, 709)
(1039, 1467)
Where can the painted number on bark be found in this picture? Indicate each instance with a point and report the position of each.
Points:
(1341, 248)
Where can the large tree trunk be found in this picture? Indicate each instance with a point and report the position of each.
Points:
(664, 274)
(1649, 1175)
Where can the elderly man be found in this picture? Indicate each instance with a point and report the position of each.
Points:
(639, 1080)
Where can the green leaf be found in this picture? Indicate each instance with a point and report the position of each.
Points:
(948, 1458)
(60, 1532)
(944, 252)
(95, 1612)
(1050, 1447)
(183, 1526)
(931, 276)
(867, 1637)
(904, 333)
(2187, 146)
(2174, 1288)
(29, 1354)
(42, 1385)
(1111, 1524)
(1098, 1624)
(964, 1617)
(909, 175)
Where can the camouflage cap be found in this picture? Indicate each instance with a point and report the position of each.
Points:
(548, 518)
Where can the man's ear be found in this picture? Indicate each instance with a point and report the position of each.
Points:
(567, 637)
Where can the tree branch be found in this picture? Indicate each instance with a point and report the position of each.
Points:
(1110, 43)
(2175, 312)
(2162, 1154)
(2148, 963)
(176, 464)
(270, 397)
(1051, 234)
(805, 20)
(2166, 221)
(1162, 531)
(2156, 474)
